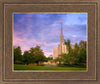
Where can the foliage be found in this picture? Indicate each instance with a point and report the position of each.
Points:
(76, 55)
(82, 52)
(59, 59)
(27, 58)
(34, 55)
(67, 43)
(38, 55)
(49, 58)
(17, 55)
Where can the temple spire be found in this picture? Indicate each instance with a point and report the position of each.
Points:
(61, 34)
(61, 26)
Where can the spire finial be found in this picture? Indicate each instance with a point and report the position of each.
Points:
(61, 20)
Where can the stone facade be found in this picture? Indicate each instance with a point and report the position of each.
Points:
(61, 48)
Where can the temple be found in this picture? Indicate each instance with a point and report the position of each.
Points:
(61, 48)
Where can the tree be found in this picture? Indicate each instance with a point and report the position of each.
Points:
(69, 58)
(38, 54)
(50, 58)
(82, 52)
(59, 59)
(62, 58)
(27, 58)
(67, 43)
(65, 59)
(17, 55)
(32, 51)
(77, 54)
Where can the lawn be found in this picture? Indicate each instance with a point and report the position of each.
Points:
(33, 67)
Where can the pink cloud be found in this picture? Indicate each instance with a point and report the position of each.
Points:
(48, 54)
(26, 44)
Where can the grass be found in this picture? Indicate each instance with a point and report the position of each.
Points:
(33, 67)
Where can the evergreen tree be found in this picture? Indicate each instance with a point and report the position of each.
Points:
(17, 55)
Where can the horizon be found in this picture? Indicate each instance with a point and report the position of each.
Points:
(31, 29)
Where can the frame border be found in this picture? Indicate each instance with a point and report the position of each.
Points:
(1, 29)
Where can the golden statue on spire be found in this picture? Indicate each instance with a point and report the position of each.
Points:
(61, 20)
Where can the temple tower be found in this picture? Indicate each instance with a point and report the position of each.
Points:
(61, 35)
(61, 48)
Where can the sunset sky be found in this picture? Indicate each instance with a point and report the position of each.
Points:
(43, 29)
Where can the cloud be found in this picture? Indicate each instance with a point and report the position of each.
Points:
(26, 43)
(44, 29)
(48, 54)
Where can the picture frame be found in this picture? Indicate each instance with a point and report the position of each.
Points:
(8, 7)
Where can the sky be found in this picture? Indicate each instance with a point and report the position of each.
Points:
(43, 29)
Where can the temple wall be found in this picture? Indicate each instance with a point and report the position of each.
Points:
(55, 52)
(64, 49)
(59, 50)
